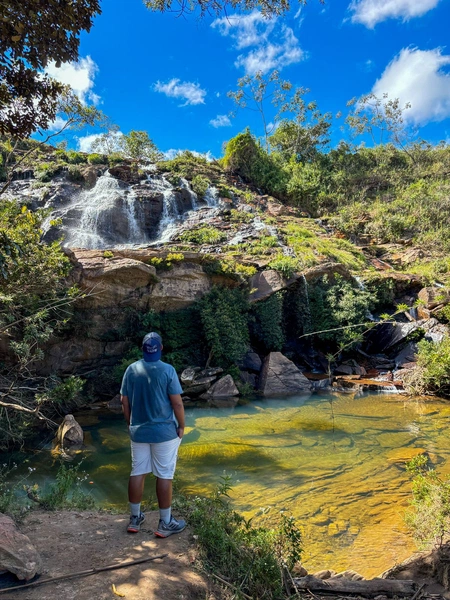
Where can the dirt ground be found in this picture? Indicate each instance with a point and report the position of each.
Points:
(75, 541)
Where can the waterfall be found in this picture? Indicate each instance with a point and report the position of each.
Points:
(105, 215)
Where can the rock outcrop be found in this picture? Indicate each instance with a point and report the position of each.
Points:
(70, 432)
(17, 554)
(280, 377)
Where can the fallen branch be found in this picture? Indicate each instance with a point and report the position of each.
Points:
(230, 585)
(367, 588)
(82, 573)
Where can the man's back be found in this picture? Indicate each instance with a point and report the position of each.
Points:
(147, 386)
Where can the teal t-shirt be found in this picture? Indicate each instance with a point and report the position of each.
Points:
(147, 386)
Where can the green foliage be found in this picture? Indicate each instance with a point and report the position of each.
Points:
(429, 517)
(229, 267)
(108, 254)
(74, 174)
(138, 146)
(286, 265)
(223, 314)
(46, 171)
(433, 372)
(76, 158)
(166, 263)
(189, 166)
(200, 185)
(251, 557)
(241, 216)
(244, 156)
(66, 492)
(334, 303)
(267, 323)
(203, 235)
(96, 159)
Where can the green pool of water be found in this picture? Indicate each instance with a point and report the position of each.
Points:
(338, 466)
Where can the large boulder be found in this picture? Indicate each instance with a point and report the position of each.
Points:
(433, 296)
(70, 432)
(127, 173)
(280, 377)
(17, 554)
(224, 388)
(179, 287)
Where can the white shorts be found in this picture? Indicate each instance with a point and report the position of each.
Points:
(159, 459)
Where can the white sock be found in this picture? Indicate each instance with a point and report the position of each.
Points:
(165, 514)
(135, 509)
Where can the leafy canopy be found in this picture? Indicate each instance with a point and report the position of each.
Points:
(33, 34)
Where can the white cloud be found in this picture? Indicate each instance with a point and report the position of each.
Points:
(172, 153)
(417, 76)
(220, 121)
(80, 76)
(190, 92)
(269, 44)
(272, 56)
(57, 124)
(85, 142)
(371, 12)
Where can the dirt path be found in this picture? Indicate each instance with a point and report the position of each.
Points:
(75, 541)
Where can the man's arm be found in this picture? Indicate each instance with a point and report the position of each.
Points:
(178, 409)
(126, 408)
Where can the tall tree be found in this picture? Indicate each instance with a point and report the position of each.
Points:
(34, 33)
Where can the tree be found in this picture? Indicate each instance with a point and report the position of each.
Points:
(109, 142)
(267, 7)
(305, 133)
(138, 146)
(254, 91)
(32, 34)
(380, 118)
(73, 115)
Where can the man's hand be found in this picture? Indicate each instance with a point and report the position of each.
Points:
(180, 432)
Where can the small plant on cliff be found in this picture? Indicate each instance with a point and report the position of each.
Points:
(200, 185)
(203, 235)
(97, 159)
(429, 516)
(286, 265)
(252, 559)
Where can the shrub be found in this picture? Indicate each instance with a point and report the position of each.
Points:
(253, 558)
(200, 185)
(74, 174)
(76, 158)
(203, 235)
(97, 159)
(223, 313)
(286, 265)
(46, 171)
(429, 517)
(241, 216)
(267, 323)
(433, 372)
(115, 159)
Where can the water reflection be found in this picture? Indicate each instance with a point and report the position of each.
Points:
(339, 469)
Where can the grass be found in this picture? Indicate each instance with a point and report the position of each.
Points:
(203, 235)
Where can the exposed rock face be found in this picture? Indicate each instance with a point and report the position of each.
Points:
(433, 296)
(70, 432)
(179, 287)
(76, 355)
(388, 335)
(280, 377)
(251, 362)
(127, 174)
(150, 208)
(17, 554)
(112, 281)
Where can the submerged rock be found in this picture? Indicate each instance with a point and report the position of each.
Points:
(280, 377)
(17, 553)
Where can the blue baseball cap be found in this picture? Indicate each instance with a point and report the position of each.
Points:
(152, 347)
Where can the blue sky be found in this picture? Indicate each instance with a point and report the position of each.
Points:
(170, 75)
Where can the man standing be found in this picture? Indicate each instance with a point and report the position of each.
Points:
(154, 411)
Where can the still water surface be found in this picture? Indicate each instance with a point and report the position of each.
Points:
(338, 465)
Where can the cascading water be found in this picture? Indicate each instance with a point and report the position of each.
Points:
(104, 216)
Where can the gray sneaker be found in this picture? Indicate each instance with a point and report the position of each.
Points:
(135, 523)
(166, 529)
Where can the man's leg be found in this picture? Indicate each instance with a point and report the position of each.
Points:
(164, 458)
(141, 459)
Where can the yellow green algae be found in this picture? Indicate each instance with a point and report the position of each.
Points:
(337, 464)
